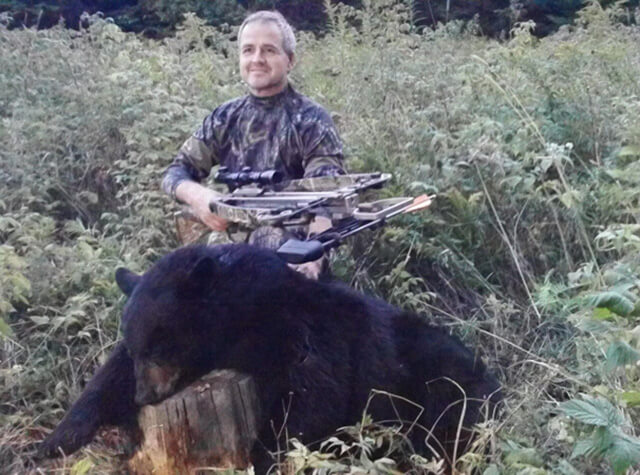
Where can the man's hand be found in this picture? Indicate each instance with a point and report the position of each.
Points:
(198, 198)
(310, 270)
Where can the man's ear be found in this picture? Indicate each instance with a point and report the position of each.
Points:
(127, 280)
(292, 62)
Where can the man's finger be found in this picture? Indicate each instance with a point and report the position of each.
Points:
(216, 223)
(311, 270)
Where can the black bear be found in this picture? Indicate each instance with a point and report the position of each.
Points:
(321, 346)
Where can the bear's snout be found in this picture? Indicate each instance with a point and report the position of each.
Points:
(154, 382)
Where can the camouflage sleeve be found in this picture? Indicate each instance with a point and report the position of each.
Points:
(322, 146)
(195, 158)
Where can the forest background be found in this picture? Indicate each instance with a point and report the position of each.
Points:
(531, 251)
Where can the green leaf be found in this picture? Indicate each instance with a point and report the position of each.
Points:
(89, 196)
(82, 467)
(457, 200)
(491, 470)
(5, 329)
(628, 154)
(570, 198)
(40, 320)
(619, 353)
(632, 398)
(527, 470)
(600, 313)
(524, 456)
(592, 411)
(584, 448)
(565, 468)
(592, 325)
(613, 301)
(629, 150)
(624, 452)
(421, 187)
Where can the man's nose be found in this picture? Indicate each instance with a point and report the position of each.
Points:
(257, 56)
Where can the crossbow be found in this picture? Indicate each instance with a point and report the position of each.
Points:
(265, 198)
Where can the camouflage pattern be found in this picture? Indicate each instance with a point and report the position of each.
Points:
(249, 224)
(255, 216)
(190, 230)
(244, 220)
(335, 182)
(287, 132)
(272, 237)
(247, 217)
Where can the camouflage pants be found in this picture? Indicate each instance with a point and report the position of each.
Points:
(189, 230)
(268, 237)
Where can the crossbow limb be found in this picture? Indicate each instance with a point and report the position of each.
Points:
(374, 215)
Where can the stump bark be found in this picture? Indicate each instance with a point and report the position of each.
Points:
(210, 424)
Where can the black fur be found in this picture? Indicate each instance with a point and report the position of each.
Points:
(320, 347)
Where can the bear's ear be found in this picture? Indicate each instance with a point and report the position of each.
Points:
(127, 280)
(204, 270)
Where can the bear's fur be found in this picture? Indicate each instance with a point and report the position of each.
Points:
(320, 347)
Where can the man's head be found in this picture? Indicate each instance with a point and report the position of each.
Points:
(267, 47)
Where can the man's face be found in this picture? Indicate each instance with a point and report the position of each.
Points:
(264, 65)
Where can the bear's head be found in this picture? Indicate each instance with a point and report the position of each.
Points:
(194, 310)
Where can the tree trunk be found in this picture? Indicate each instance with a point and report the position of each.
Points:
(210, 424)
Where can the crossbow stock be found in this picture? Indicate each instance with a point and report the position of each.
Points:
(258, 199)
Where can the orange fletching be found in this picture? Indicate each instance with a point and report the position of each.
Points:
(419, 203)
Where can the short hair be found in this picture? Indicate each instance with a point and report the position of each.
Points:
(288, 38)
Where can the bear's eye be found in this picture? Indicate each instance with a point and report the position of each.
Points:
(158, 344)
(153, 352)
(160, 337)
(159, 350)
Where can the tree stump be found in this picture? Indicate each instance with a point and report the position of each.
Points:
(210, 424)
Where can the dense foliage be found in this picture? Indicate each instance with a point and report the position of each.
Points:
(158, 18)
(530, 252)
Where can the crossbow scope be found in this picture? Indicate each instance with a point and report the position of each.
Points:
(246, 176)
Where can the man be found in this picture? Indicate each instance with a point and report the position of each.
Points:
(273, 127)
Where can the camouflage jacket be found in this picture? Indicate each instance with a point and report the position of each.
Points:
(287, 132)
